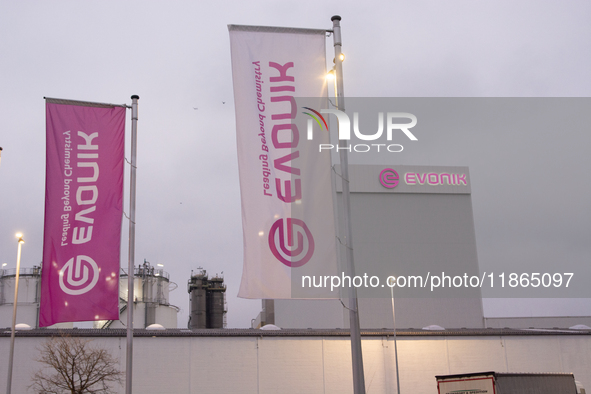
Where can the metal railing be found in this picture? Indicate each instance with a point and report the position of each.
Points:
(141, 271)
(23, 271)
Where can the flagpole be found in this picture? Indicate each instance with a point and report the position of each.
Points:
(131, 262)
(356, 353)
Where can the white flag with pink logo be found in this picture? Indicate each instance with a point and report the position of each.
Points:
(285, 182)
(83, 211)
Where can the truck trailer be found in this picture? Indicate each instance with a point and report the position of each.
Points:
(508, 383)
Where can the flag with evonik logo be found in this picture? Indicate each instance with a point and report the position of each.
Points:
(83, 208)
(285, 182)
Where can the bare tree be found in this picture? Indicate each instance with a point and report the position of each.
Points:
(73, 366)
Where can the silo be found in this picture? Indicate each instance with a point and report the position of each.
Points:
(215, 303)
(28, 295)
(151, 287)
(198, 300)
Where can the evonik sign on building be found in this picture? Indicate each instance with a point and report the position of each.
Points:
(408, 179)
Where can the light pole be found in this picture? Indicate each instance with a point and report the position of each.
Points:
(11, 355)
(391, 282)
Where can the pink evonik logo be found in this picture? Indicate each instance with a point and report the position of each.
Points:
(293, 254)
(389, 178)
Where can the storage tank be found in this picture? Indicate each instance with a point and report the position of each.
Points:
(28, 295)
(197, 289)
(215, 303)
(207, 301)
(151, 289)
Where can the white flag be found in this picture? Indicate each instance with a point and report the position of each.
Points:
(285, 182)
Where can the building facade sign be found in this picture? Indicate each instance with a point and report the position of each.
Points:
(408, 179)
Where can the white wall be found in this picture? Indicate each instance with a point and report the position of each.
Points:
(270, 365)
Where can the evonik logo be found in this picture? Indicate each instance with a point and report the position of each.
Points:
(344, 127)
(75, 274)
(296, 252)
(389, 178)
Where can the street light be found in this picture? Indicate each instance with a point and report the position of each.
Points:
(332, 74)
(391, 283)
(11, 356)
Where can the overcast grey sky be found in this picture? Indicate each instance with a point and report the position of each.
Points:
(176, 56)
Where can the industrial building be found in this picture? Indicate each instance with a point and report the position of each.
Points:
(406, 220)
(418, 219)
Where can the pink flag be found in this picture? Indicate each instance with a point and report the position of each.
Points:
(83, 207)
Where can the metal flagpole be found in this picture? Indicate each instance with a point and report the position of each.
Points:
(131, 262)
(356, 354)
